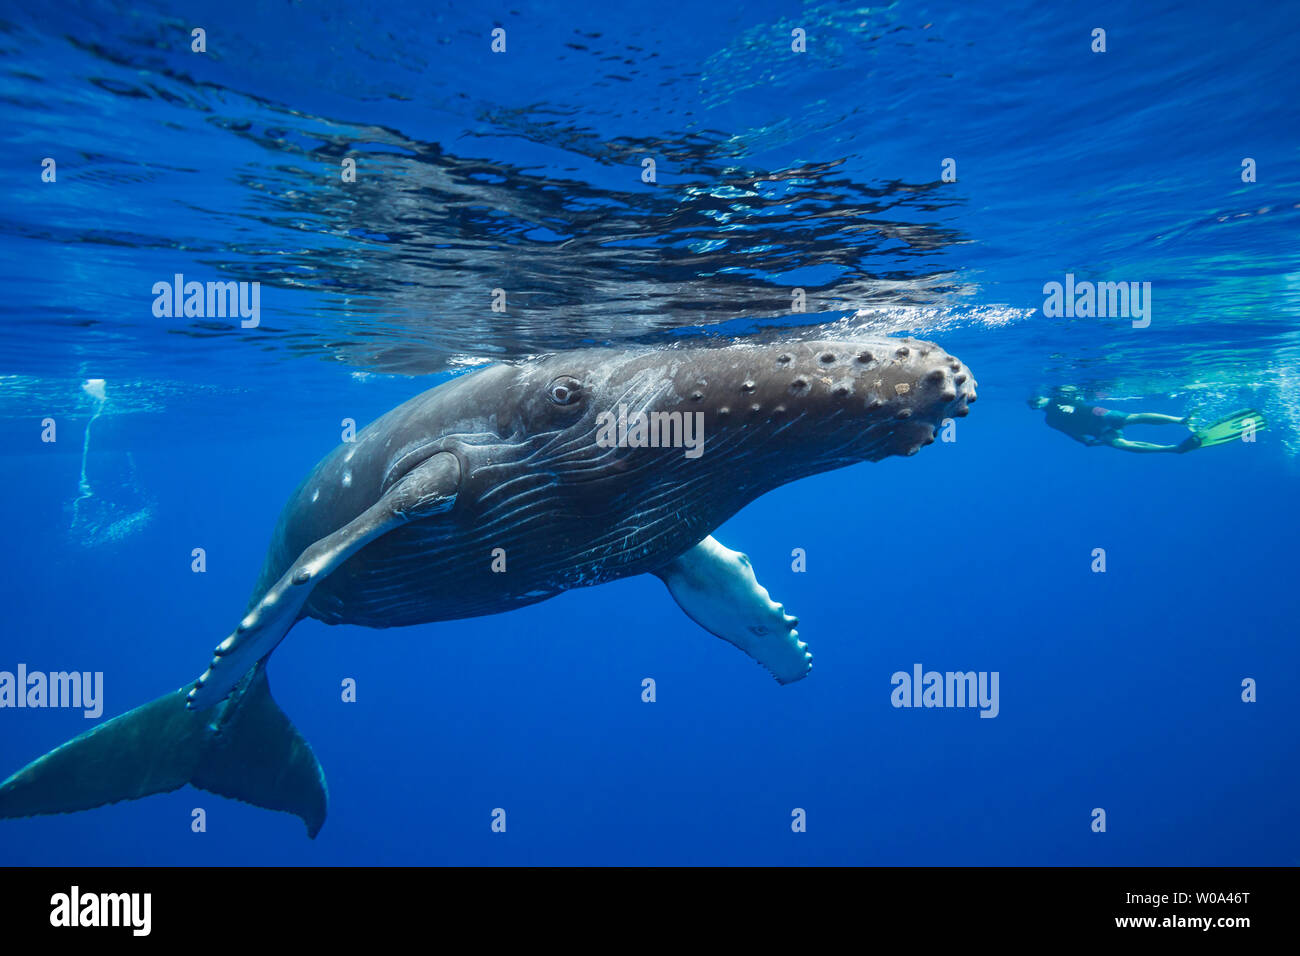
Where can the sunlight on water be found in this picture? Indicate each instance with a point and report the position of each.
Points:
(113, 505)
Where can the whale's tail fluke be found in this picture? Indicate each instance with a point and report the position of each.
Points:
(244, 748)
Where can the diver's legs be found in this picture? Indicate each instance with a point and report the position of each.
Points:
(1123, 444)
(1153, 418)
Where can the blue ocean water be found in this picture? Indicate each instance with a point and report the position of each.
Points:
(774, 170)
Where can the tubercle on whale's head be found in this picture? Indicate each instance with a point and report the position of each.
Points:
(835, 399)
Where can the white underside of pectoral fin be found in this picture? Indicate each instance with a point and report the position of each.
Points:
(717, 588)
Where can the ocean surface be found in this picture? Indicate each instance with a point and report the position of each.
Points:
(919, 168)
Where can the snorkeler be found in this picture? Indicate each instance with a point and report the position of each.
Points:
(1094, 425)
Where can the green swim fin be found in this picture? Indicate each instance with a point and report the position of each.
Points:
(1228, 429)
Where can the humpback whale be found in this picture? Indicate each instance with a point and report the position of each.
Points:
(401, 527)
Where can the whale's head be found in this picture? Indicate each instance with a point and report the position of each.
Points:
(761, 413)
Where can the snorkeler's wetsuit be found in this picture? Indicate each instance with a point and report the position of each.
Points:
(1089, 424)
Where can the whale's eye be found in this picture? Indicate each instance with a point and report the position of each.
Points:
(564, 390)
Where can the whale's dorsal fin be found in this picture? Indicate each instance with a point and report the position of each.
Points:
(429, 489)
(717, 588)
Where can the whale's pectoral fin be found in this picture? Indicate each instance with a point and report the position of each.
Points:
(429, 489)
(717, 588)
